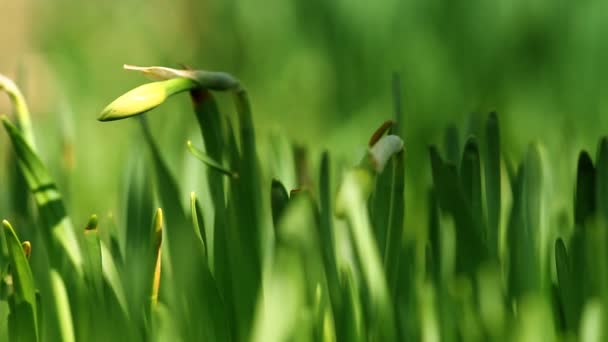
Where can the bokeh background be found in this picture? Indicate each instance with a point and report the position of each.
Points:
(318, 71)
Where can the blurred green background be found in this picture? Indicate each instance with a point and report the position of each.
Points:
(319, 71)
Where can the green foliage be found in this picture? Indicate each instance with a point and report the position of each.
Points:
(333, 260)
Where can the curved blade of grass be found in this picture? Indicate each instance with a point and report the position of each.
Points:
(189, 280)
(197, 221)
(58, 231)
(92, 257)
(245, 232)
(351, 204)
(200, 155)
(62, 308)
(327, 243)
(111, 276)
(138, 204)
(19, 203)
(584, 198)
(355, 328)
(493, 183)
(156, 243)
(469, 242)
(212, 128)
(565, 286)
(167, 185)
(525, 266)
(380, 206)
(138, 207)
(23, 318)
(517, 239)
(470, 174)
(21, 109)
(278, 201)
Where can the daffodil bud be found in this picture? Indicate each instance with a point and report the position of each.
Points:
(157, 239)
(27, 249)
(144, 98)
(383, 150)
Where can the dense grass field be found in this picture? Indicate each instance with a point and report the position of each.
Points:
(303, 170)
(325, 259)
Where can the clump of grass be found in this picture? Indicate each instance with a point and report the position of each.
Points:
(327, 262)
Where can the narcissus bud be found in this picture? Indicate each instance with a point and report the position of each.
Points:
(145, 98)
(383, 150)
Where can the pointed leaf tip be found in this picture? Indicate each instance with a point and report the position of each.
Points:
(198, 154)
(92, 224)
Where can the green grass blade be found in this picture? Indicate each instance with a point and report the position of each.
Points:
(197, 221)
(200, 155)
(354, 327)
(380, 207)
(566, 287)
(23, 318)
(62, 308)
(167, 187)
(246, 232)
(327, 241)
(154, 256)
(532, 211)
(189, 280)
(112, 277)
(58, 231)
(138, 204)
(471, 249)
(21, 109)
(211, 125)
(351, 204)
(278, 200)
(525, 266)
(584, 198)
(395, 223)
(470, 174)
(92, 257)
(493, 183)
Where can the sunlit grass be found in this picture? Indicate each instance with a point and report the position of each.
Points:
(325, 261)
